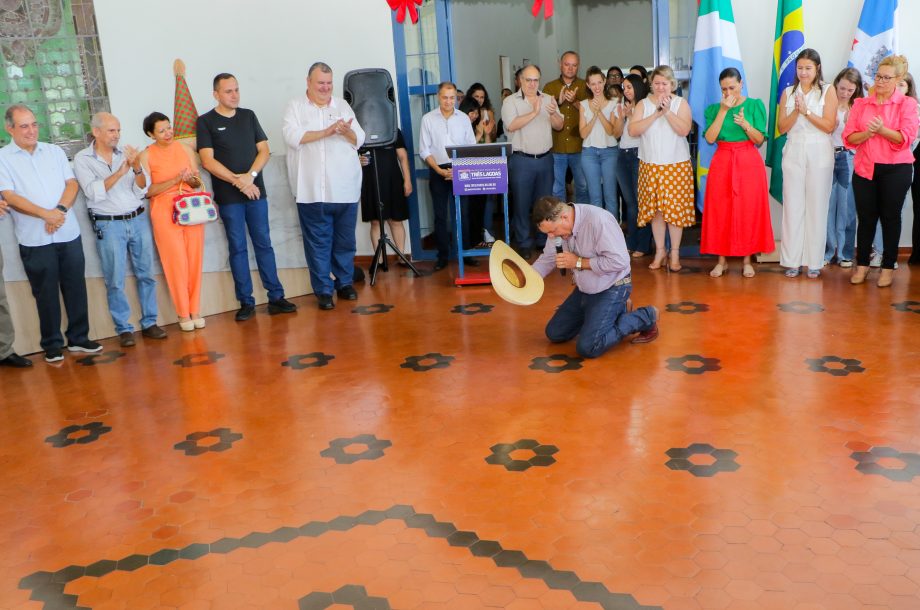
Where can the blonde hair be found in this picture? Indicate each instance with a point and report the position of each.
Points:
(898, 62)
(667, 73)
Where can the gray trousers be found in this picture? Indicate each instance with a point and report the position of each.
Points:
(6, 322)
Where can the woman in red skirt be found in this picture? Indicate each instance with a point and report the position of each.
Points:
(736, 213)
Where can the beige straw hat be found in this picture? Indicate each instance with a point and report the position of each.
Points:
(512, 277)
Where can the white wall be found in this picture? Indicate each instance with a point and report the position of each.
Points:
(615, 33)
(267, 45)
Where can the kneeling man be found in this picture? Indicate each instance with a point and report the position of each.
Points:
(594, 252)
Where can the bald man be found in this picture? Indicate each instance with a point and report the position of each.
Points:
(115, 185)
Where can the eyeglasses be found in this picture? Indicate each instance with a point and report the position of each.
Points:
(883, 79)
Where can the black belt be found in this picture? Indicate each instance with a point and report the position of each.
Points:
(133, 214)
(540, 156)
(839, 149)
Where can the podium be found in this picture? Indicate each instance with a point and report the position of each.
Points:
(478, 169)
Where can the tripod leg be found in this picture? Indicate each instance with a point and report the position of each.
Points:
(403, 257)
(381, 249)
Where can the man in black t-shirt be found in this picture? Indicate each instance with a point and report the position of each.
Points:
(234, 149)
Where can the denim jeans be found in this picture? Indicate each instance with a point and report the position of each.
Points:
(122, 239)
(237, 217)
(637, 239)
(329, 243)
(600, 168)
(530, 179)
(841, 215)
(562, 162)
(600, 320)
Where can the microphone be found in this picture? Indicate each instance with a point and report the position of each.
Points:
(559, 251)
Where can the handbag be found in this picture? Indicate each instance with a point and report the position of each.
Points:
(196, 208)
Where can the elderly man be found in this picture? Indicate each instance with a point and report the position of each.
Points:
(37, 182)
(234, 149)
(442, 127)
(7, 356)
(323, 138)
(594, 251)
(568, 90)
(114, 185)
(529, 118)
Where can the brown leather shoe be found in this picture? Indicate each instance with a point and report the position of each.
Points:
(126, 339)
(885, 278)
(650, 334)
(859, 276)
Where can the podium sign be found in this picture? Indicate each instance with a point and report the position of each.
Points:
(480, 176)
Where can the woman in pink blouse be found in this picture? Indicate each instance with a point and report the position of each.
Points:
(881, 128)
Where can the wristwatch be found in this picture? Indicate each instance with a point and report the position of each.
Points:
(578, 264)
(807, 112)
(254, 174)
(61, 208)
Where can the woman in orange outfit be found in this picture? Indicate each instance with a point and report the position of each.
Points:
(170, 165)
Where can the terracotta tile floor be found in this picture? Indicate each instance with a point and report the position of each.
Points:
(764, 453)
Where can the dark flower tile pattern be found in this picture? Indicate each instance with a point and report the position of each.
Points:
(198, 359)
(427, 362)
(66, 437)
(48, 587)
(680, 460)
(835, 365)
(542, 455)
(800, 307)
(308, 361)
(374, 451)
(348, 595)
(192, 444)
(693, 364)
(372, 309)
(687, 307)
(907, 306)
(556, 363)
(867, 463)
(471, 309)
(103, 358)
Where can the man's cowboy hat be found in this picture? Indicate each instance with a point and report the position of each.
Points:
(512, 277)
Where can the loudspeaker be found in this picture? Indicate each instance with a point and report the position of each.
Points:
(370, 94)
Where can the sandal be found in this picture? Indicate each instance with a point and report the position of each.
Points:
(718, 270)
(659, 260)
(674, 262)
(813, 274)
(748, 270)
(637, 254)
(792, 272)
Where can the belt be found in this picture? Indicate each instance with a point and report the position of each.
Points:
(624, 281)
(133, 214)
(840, 149)
(540, 156)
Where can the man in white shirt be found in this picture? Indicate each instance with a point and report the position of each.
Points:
(115, 185)
(38, 184)
(442, 127)
(323, 137)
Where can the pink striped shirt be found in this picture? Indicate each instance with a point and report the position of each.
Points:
(899, 113)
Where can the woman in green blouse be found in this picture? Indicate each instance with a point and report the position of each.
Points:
(736, 212)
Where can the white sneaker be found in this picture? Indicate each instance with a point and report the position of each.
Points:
(876, 260)
(487, 237)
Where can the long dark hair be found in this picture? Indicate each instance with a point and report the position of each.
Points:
(852, 75)
(486, 103)
(640, 88)
(810, 55)
(468, 105)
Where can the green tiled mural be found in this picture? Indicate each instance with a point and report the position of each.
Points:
(53, 63)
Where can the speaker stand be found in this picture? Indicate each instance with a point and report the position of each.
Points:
(384, 240)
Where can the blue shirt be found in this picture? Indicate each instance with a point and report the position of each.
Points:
(41, 178)
(92, 171)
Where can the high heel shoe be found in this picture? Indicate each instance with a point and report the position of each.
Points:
(885, 278)
(674, 261)
(660, 255)
(859, 276)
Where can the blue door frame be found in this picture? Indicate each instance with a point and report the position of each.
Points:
(406, 120)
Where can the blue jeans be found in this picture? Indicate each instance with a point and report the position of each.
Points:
(122, 239)
(598, 320)
(530, 179)
(237, 217)
(600, 167)
(637, 239)
(841, 215)
(329, 243)
(562, 162)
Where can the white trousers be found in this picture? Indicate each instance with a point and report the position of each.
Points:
(808, 174)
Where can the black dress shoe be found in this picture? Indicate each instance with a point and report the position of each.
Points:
(470, 261)
(282, 305)
(325, 301)
(16, 361)
(245, 312)
(126, 339)
(154, 332)
(439, 265)
(348, 293)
